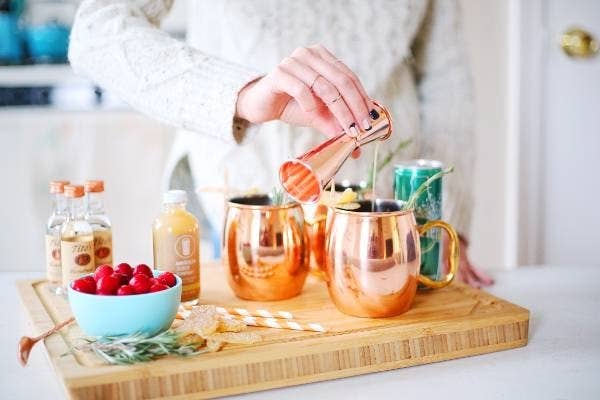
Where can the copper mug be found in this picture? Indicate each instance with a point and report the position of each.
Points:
(265, 248)
(374, 255)
(315, 217)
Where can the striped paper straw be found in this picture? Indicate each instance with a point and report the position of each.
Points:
(278, 323)
(245, 312)
(255, 313)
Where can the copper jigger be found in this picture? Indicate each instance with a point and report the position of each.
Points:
(304, 177)
(265, 248)
(373, 258)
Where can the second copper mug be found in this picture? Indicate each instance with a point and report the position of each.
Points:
(265, 248)
(373, 258)
(315, 217)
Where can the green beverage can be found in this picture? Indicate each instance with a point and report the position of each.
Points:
(408, 176)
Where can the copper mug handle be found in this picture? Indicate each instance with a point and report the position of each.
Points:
(453, 256)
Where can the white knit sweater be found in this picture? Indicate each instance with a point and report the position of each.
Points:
(407, 53)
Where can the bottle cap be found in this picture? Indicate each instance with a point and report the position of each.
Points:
(174, 196)
(58, 186)
(94, 186)
(74, 191)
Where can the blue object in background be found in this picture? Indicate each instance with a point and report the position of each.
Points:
(48, 42)
(11, 50)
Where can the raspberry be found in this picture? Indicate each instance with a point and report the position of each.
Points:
(124, 269)
(167, 278)
(143, 269)
(108, 284)
(123, 278)
(102, 270)
(157, 287)
(84, 285)
(141, 283)
(125, 290)
(90, 279)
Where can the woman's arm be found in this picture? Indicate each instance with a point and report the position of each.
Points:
(118, 45)
(446, 101)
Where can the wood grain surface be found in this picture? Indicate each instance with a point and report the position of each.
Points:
(454, 322)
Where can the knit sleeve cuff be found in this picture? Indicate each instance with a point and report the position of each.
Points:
(210, 100)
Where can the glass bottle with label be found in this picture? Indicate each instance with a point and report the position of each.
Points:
(58, 216)
(96, 216)
(76, 238)
(176, 236)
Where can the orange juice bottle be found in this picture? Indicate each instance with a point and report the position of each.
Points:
(176, 237)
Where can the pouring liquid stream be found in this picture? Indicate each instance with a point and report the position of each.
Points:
(373, 189)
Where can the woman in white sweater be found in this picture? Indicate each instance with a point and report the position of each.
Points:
(250, 62)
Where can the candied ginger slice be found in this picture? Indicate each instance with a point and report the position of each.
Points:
(203, 320)
(213, 345)
(191, 338)
(231, 325)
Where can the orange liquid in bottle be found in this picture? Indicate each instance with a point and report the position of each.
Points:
(176, 238)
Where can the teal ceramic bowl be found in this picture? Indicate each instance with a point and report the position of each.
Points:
(149, 313)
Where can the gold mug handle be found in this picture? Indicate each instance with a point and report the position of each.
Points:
(453, 256)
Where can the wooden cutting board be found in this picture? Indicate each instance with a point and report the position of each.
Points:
(453, 322)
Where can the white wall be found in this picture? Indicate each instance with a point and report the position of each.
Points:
(486, 36)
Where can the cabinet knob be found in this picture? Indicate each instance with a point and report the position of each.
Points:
(577, 43)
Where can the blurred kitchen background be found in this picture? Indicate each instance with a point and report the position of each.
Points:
(537, 84)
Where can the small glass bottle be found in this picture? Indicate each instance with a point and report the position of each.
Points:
(58, 216)
(76, 238)
(176, 239)
(96, 216)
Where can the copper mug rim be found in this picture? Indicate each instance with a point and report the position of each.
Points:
(261, 201)
(383, 208)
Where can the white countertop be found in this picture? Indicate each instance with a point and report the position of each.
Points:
(561, 361)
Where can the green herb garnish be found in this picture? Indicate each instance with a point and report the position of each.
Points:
(278, 196)
(138, 347)
(412, 200)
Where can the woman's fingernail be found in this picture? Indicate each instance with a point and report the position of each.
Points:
(353, 130)
(374, 114)
(366, 125)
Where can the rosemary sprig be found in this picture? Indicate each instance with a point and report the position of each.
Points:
(412, 200)
(386, 160)
(278, 196)
(138, 347)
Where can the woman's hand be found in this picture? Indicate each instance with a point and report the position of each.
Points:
(310, 88)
